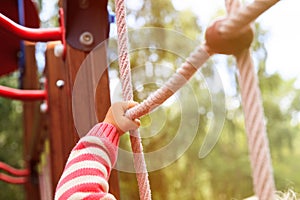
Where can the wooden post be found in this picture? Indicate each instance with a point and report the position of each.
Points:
(90, 16)
(61, 130)
(30, 81)
(62, 133)
(73, 62)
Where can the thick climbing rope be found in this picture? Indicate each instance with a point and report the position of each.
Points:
(262, 172)
(125, 75)
(259, 153)
(175, 82)
(258, 145)
(236, 21)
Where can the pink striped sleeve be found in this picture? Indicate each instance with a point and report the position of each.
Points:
(89, 164)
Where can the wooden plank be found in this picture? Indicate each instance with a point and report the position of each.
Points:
(44, 169)
(30, 81)
(61, 129)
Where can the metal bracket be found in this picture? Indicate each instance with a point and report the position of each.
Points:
(87, 23)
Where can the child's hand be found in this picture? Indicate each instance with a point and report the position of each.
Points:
(116, 117)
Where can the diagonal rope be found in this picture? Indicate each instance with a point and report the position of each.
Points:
(199, 56)
(125, 75)
(262, 172)
(232, 6)
(244, 16)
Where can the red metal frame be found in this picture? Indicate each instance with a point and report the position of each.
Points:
(18, 94)
(23, 173)
(13, 180)
(63, 31)
(14, 171)
(33, 34)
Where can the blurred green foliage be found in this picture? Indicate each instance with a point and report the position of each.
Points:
(11, 138)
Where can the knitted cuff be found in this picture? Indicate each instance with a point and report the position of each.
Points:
(107, 131)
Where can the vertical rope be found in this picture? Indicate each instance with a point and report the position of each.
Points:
(125, 71)
(125, 75)
(262, 172)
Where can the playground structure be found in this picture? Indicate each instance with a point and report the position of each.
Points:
(50, 135)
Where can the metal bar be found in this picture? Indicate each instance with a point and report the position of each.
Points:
(21, 63)
(13, 180)
(21, 12)
(13, 171)
(18, 94)
(31, 34)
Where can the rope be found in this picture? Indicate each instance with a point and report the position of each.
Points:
(125, 75)
(262, 172)
(232, 6)
(175, 82)
(238, 20)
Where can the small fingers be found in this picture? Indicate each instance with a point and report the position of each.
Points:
(117, 116)
(131, 105)
(128, 104)
(137, 122)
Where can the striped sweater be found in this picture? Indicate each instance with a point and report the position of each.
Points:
(89, 164)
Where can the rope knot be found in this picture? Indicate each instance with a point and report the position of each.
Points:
(218, 43)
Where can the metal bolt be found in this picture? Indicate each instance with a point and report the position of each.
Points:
(86, 38)
(84, 4)
(42, 80)
(44, 107)
(59, 50)
(60, 83)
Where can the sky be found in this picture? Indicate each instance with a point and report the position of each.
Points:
(282, 22)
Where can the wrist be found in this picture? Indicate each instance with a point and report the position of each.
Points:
(113, 123)
(106, 130)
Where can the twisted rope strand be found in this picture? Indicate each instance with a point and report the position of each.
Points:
(176, 81)
(263, 180)
(232, 6)
(125, 71)
(125, 76)
(240, 19)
